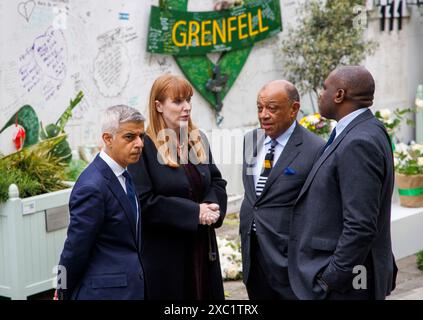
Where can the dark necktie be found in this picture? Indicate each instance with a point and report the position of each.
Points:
(331, 138)
(266, 169)
(131, 193)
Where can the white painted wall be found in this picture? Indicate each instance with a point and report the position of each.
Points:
(397, 67)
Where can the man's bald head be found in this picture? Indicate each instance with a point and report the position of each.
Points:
(284, 86)
(358, 83)
(278, 103)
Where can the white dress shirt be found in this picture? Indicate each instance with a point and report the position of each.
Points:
(345, 121)
(282, 141)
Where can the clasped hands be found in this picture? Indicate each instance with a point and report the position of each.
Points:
(209, 213)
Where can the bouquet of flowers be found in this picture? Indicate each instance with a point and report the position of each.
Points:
(230, 258)
(318, 124)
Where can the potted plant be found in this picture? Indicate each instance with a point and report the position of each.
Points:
(34, 203)
(409, 174)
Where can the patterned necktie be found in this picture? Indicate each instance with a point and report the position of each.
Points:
(267, 168)
(131, 193)
(331, 138)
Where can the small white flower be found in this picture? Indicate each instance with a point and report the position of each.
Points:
(314, 120)
(230, 258)
(396, 161)
(401, 148)
(420, 161)
(417, 147)
(385, 114)
(232, 272)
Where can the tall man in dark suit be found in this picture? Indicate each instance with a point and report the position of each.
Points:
(340, 241)
(101, 256)
(277, 160)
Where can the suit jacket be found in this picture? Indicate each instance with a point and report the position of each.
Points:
(342, 216)
(102, 250)
(171, 227)
(273, 209)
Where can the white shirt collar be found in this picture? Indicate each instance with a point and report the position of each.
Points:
(116, 168)
(345, 121)
(284, 137)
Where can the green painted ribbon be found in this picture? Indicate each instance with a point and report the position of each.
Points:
(410, 192)
(198, 69)
(173, 31)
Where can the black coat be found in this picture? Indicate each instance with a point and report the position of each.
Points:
(342, 216)
(170, 224)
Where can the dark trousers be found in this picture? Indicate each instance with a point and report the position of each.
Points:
(258, 287)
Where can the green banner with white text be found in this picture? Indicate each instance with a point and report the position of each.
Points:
(197, 33)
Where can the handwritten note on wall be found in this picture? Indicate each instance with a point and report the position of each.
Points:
(43, 65)
(112, 64)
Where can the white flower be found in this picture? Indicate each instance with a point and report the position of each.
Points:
(396, 161)
(401, 148)
(420, 161)
(232, 272)
(230, 258)
(315, 119)
(417, 147)
(385, 114)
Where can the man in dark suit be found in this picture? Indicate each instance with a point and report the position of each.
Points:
(340, 241)
(277, 160)
(101, 255)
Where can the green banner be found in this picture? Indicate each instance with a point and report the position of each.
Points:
(197, 33)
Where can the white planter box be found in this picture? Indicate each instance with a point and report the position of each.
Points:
(406, 230)
(28, 253)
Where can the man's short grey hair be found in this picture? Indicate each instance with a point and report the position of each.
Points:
(114, 116)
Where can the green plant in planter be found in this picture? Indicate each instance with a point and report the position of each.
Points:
(35, 170)
(409, 159)
(62, 150)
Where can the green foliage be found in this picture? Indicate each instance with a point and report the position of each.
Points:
(34, 169)
(27, 185)
(74, 169)
(62, 150)
(392, 121)
(64, 118)
(420, 260)
(325, 38)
